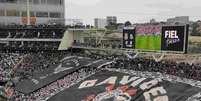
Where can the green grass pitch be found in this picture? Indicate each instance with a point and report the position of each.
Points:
(148, 42)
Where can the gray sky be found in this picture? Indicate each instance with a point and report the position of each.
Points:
(132, 10)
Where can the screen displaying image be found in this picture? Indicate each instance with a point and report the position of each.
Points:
(129, 38)
(148, 37)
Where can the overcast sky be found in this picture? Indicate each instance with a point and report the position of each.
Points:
(132, 10)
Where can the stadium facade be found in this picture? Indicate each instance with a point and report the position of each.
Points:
(41, 11)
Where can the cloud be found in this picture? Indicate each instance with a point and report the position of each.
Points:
(132, 10)
(84, 2)
(164, 5)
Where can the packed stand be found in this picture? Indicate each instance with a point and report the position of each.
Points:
(29, 63)
(184, 70)
(8, 62)
(35, 62)
(25, 33)
(55, 87)
(91, 44)
(15, 67)
(40, 31)
(8, 65)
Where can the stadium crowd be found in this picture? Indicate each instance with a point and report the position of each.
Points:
(55, 87)
(7, 64)
(14, 67)
(104, 45)
(185, 70)
(37, 33)
(34, 62)
(7, 67)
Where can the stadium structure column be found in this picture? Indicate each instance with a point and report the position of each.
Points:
(28, 13)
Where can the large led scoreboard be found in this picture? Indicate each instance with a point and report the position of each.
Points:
(128, 37)
(156, 38)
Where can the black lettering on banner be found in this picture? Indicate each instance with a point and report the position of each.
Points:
(119, 85)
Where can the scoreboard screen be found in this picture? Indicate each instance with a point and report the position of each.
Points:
(156, 38)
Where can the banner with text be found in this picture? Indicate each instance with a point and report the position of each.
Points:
(117, 86)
